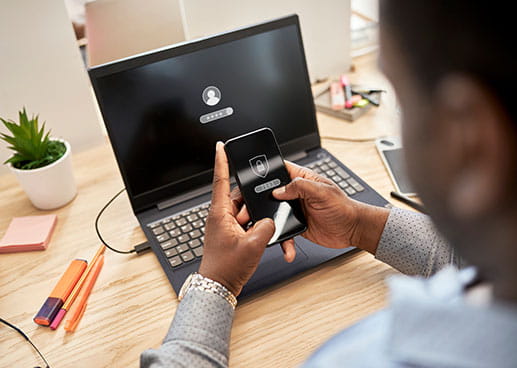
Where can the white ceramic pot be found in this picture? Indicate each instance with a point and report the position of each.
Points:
(51, 186)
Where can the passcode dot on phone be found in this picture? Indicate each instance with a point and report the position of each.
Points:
(258, 166)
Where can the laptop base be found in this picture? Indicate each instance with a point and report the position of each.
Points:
(272, 268)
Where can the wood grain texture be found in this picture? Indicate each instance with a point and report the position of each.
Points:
(132, 303)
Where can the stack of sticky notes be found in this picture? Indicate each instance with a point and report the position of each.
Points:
(28, 233)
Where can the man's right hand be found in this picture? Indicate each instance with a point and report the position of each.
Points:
(333, 219)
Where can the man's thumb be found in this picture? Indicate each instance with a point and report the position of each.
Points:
(261, 232)
(298, 188)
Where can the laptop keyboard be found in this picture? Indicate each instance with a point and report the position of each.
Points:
(331, 170)
(181, 236)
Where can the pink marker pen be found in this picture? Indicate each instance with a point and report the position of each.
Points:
(337, 97)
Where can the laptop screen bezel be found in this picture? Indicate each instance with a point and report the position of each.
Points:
(151, 198)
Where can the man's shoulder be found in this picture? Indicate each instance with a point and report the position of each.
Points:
(368, 343)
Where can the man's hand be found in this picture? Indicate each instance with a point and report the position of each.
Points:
(231, 254)
(333, 219)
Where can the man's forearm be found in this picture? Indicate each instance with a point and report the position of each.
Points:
(411, 244)
(199, 335)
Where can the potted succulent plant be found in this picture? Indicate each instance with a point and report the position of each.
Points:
(42, 164)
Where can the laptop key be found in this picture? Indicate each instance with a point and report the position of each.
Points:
(203, 213)
(181, 221)
(175, 232)
(197, 209)
(175, 261)
(194, 243)
(187, 256)
(350, 191)
(171, 253)
(192, 217)
(170, 226)
(163, 237)
(332, 164)
(158, 230)
(352, 181)
(343, 184)
(336, 178)
(324, 167)
(169, 244)
(183, 238)
(197, 224)
(166, 220)
(186, 228)
(342, 173)
(198, 252)
(195, 234)
(182, 248)
(358, 187)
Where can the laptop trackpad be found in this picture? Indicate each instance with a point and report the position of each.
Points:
(273, 268)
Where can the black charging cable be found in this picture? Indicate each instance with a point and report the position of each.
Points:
(138, 249)
(20, 331)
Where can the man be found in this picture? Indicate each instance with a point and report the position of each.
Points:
(451, 63)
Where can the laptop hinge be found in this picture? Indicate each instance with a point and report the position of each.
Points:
(184, 197)
(296, 156)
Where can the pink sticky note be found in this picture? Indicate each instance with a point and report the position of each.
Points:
(28, 233)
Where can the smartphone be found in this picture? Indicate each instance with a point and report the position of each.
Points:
(258, 167)
(392, 155)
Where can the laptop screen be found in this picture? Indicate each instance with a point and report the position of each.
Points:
(165, 111)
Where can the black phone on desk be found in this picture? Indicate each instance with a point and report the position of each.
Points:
(258, 166)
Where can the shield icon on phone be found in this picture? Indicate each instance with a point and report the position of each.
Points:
(259, 165)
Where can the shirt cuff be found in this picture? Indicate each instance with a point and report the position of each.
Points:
(203, 318)
(411, 244)
(199, 335)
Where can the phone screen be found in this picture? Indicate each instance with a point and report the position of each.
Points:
(258, 166)
(395, 160)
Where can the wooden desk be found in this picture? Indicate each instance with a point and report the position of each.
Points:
(132, 303)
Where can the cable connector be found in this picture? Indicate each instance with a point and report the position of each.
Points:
(142, 248)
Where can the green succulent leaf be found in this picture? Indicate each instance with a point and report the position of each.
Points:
(31, 144)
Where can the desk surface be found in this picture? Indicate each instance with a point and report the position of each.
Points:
(132, 304)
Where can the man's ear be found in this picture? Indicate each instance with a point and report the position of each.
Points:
(480, 141)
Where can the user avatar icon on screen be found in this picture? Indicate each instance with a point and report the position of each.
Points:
(211, 95)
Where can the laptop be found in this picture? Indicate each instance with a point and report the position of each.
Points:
(164, 111)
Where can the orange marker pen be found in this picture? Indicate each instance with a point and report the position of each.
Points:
(77, 288)
(77, 310)
(61, 292)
